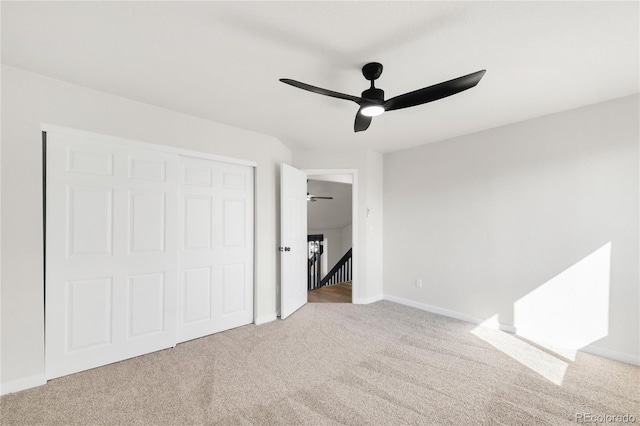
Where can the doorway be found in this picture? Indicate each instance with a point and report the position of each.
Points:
(331, 214)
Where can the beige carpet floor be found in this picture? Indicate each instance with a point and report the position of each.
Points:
(330, 364)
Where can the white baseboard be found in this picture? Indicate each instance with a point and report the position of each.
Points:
(23, 384)
(607, 353)
(367, 300)
(594, 350)
(265, 319)
(448, 313)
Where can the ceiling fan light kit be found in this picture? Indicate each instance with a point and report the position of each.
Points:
(372, 101)
(372, 110)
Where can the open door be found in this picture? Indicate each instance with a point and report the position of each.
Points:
(293, 240)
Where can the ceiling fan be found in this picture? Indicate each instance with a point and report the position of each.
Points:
(314, 198)
(372, 101)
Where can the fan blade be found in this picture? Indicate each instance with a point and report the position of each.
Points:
(362, 122)
(435, 92)
(320, 90)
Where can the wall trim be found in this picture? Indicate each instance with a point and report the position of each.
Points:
(367, 300)
(607, 353)
(265, 319)
(23, 384)
(448, 313)
(53, 128)
(590, 349)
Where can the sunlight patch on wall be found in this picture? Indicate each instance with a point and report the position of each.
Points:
(548, 366)
(571, 310)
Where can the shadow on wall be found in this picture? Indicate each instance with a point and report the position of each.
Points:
(568, 312)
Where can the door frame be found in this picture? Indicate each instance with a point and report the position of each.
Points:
(354, 221)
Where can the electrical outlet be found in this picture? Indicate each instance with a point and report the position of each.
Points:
(419, 283)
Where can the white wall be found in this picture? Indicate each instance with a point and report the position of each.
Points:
(486, 219)
(369, 185)
(29, 100)
(347, 236)
(374, 223)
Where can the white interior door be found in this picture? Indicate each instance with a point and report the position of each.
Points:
(215, 275)
(293, 240)
(110, 251)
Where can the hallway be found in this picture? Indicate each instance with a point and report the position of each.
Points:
(338, 293)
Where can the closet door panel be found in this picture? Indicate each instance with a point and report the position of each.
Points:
(110, 252)
(217, 237)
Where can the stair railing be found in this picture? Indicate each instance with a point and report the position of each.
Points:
(340, 273)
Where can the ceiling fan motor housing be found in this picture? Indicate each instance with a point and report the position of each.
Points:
(374, 94)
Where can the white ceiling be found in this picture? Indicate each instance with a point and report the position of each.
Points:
(222, 60)
(329, 214)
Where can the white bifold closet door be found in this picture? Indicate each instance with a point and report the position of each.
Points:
(144, 249)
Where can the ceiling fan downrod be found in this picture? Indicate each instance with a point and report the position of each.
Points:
(372, 72)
